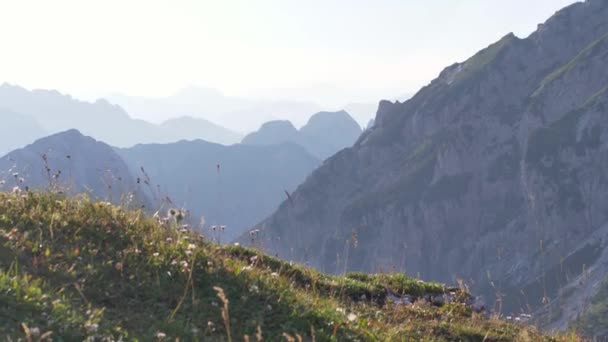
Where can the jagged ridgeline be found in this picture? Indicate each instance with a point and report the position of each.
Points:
(494, 173)
(73, 270)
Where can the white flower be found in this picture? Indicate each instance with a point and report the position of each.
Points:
(188, 252)
(237, 244)
(35, 331)
(340, 310)
(169, 239)
(91, 327)
(191, 246)
(160, 335)
(156, 254)
(274, 274)
(351, 317)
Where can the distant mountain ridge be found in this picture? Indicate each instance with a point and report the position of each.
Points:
(234, 186)
(18, 130)
(238, 114)
(55, 112)
(69, 161)
(324, 134)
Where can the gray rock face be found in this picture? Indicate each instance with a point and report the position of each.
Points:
(324, 134)
(494, 173)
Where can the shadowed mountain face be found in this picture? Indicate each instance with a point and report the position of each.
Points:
(324, 134)
(17, 130)
(234, 185)
(70, 162)
(55, 112)
(494, 173)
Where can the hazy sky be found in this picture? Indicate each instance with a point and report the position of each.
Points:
(329, 50)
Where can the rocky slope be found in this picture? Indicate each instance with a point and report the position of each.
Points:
(495, 173)
(324, 134)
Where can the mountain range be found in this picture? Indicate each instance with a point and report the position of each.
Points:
(236, 113)
(51, 112)
(494, 173)
(324, 134)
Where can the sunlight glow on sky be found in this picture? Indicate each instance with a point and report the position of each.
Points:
(328, 50)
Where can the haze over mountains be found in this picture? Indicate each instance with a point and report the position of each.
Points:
(324, 134)
(494, 173)
(55, 112)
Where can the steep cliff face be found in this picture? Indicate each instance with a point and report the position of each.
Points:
(494, 173)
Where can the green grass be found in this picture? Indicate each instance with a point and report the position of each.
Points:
(587, 53)
(72, 270)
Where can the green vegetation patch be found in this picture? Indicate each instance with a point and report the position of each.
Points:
(73, 270)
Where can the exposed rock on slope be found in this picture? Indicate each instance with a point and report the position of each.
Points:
(325, 133)
(495, 173)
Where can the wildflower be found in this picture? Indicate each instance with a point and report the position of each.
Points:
(16, 174)
(191, 246)
(214, 227)
(174, 262)
(169, 273)
(194, 330)
(156, 254)
(253, 259)
(209, 263)
(188, 252)
(351, 317)
(237, 244)
(340, 310)
(118, 266)
(169, 240)
(214, 303)
(16, 190)
(35, 331)
(91, 327)
(184, 263)
(274, 274)
(2, 182)
(269, 307)
(254, 288)
(222, 227)
(160, 335)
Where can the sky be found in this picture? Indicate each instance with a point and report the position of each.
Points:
(325, 51)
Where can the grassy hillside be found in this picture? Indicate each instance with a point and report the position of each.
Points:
(74, 269)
